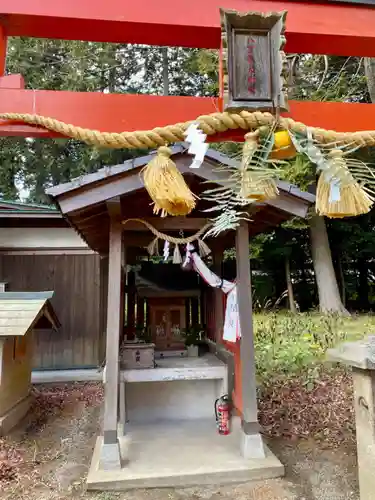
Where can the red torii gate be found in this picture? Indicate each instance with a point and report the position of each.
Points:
(318, 28)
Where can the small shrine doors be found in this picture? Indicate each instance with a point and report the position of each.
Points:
(168, 320)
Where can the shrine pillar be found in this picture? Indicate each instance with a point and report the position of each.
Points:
(110, 451)
(251, 440)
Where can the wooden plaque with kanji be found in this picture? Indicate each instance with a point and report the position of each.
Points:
(253, 65)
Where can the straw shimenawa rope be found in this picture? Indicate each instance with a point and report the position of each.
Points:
(209, 124)
(167, 237)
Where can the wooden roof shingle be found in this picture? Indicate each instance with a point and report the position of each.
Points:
(22, 311)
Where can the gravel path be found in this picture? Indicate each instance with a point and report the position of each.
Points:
(57, 452)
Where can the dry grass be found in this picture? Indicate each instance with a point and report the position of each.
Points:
(48, 457)
(54, 441)
(321, 410)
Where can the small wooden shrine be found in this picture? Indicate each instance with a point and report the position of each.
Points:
(173, 398)
(159, 423)
(21, 313)
(168, 303)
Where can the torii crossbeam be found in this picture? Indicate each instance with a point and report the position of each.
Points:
(324, 28)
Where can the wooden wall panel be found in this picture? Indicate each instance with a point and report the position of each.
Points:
(75, 279)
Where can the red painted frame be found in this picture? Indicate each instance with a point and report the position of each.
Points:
(119, 112)
(311, 27)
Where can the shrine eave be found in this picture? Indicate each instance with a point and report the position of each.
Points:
(88, 202)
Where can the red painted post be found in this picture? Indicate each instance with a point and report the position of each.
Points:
(3, 49)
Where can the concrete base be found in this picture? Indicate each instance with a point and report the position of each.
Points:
(61, 376)
(252, 446)
(110, 456)
(177, 454)
(177, 389)
(149, 402)
(11, 418)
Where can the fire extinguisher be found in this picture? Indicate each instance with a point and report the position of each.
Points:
(223, 414)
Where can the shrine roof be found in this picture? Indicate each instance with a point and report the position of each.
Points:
(135, 163)
(89, 201)
(20, 312)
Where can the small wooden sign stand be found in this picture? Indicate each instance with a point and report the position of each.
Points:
(253, 65)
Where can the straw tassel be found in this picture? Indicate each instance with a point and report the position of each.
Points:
(177, 259)
(153, 247)
(338, 194)
(204, 249)
(166, 185)
(254, 185)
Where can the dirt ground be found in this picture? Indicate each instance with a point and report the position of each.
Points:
(48, 457)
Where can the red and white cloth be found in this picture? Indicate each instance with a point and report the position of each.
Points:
(232, 330)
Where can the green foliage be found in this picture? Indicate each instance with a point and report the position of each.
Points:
(295, 345)
(143, 334)
(230, 199)
(299, 172)
(194, 335)
(206, 62)
(322, 78)
(33, 165)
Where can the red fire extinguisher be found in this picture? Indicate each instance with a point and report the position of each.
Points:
(223, 414)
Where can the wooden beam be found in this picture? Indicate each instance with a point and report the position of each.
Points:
(113, 335)
(311, 28)
(128, 112)
(289, 204)
(247, 355)
(81, 221)
(98, 241)
(10, 214)
(92, 195)
(93, 227)
(46, 251)
(167, 224)
(114, 208)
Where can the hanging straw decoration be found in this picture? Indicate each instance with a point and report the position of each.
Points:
(166, 185)
(338, 192)
(204, 249)
(152, 248)
(257, 182)
(177, 259)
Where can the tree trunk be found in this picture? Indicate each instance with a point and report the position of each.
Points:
(363, 285)
(292, 304)
(165, 71)
(342, 279)
(328, 290)
(370, 75)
